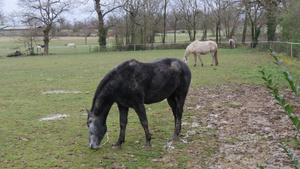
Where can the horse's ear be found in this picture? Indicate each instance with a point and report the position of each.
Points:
(88, 112)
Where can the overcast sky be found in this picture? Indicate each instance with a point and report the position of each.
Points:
(10, 6)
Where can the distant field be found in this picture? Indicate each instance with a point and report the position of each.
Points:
(30, 91)
(57, 44)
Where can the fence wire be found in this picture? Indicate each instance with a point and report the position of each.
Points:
(288, 48)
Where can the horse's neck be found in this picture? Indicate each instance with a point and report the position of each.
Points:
(101, 106)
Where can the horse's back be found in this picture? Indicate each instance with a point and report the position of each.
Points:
(154, 80)
(172, 76)
(203, 47)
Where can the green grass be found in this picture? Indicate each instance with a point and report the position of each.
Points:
(26, 142)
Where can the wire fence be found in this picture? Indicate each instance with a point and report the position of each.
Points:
(288, 48)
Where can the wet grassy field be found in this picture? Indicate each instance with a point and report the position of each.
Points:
(38, 87)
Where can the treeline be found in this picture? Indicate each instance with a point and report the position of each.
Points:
(136, 21)
(139, 21)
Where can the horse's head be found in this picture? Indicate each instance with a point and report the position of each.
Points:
(185, 59)
(97, 130)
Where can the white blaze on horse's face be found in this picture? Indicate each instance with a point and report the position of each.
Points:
(93, 138)
(96, 131)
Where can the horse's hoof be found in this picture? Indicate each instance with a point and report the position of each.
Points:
(147, 145)
(116, 147)
(211, 65)
(194, 65)
(175, 138)
(202, 65)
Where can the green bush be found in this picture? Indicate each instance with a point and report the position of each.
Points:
(288, 109)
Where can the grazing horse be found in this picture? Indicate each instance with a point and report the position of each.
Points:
(39, 48)
(71, 45)
(231, 43)
(201, 48)
(133, 84)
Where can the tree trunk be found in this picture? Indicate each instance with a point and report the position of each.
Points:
(231, 32)
(271, 14)
(245, 25)
(165, 21)
(102, 31)
(271, 24)
(175, 27)
(46, 39)
(204, 36)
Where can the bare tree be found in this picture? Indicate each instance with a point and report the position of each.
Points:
(103, 8)
(190, 11)
(165, 20)
(205, 19)
(255, 13)
(216, 11)
(1, 13)
(273, 10)
(1, 18)
(231, 18)
(132, 8)
(45, 11)
(29, 37)
(174, 18)
(152, 16)
(245, 7)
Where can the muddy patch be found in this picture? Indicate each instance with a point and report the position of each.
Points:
(234, 126)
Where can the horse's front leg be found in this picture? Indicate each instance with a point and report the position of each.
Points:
(200, 59)
(141, 112)
(123, 122)
(195, 57)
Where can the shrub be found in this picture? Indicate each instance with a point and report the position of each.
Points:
(288, 109)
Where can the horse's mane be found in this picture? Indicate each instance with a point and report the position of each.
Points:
(110, 75)
(101, 85)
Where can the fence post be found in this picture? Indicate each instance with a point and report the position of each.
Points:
(291, 50)
(134, 47)
(287, 48)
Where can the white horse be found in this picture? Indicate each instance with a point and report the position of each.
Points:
(201, 48)
(71, 45)
(231, 43)
(40, 47)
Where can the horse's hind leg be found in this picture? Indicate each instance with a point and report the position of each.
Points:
(123, 122)
(200, 59)
(177, 109)
(213, 58)
(141, 112)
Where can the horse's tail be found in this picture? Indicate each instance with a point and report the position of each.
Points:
(216, 57)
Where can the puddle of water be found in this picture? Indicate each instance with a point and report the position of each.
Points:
(55, 117)
(60, 91)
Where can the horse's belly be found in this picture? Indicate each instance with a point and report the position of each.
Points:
(156, 99)
(158, 96)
